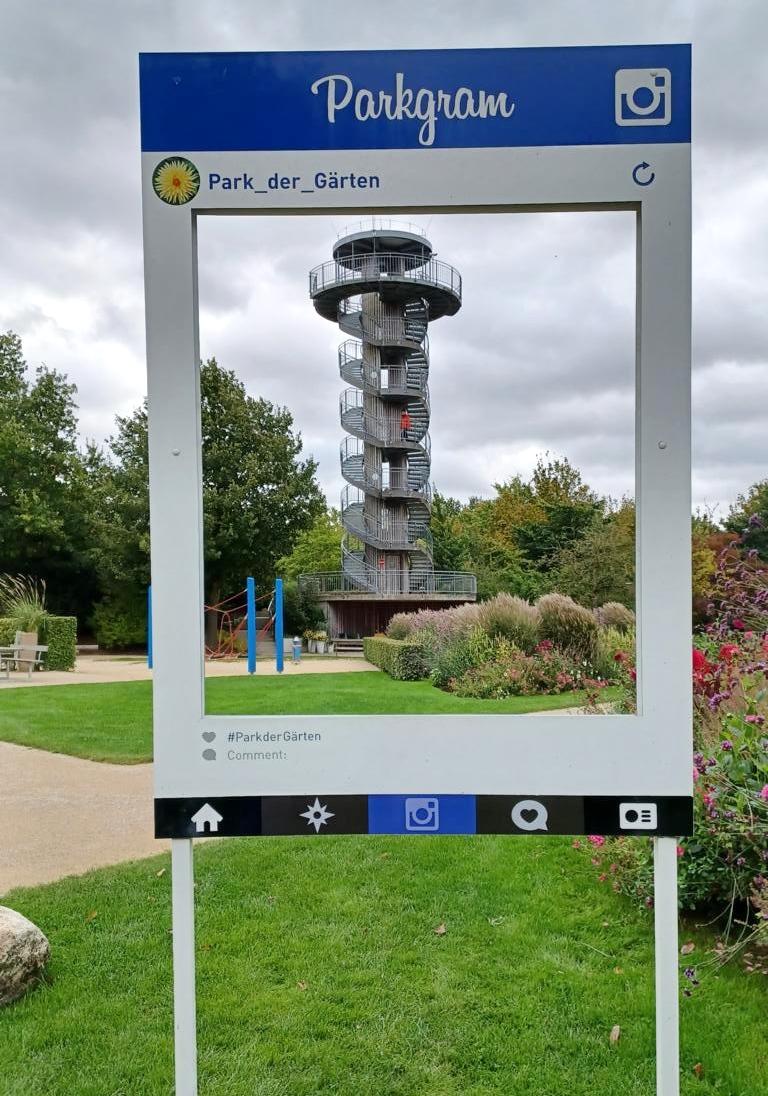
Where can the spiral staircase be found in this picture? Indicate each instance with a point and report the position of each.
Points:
(383, 288)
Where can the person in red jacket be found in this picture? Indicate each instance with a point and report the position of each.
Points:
(405, 424)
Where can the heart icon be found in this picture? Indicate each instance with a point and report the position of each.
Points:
(529, 815)
(209, 755)
(209, 735)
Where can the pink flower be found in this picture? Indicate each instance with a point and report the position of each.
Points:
(596, 839)
(758, 720)
(739, 624)
(763, 793)
(727, 651)
(679, 850)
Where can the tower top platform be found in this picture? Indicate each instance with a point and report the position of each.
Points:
(394, 260)
(413, 248)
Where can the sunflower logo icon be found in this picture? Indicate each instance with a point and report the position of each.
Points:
(176, 180)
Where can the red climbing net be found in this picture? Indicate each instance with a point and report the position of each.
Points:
(231, 624)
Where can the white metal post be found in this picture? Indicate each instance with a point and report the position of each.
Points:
(184, 1009)
(667, 991)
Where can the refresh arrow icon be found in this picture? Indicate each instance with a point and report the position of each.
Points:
(636, 171)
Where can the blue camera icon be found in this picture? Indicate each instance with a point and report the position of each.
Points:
(422, 814)
(643, 97)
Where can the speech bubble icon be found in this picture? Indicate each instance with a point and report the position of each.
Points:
(529, 814)
(209, 755)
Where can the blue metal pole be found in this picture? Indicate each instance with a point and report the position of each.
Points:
(250, 597)
(150, 658)
(279, 625)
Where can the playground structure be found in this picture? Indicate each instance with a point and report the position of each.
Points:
(238, 631)
(383, 288)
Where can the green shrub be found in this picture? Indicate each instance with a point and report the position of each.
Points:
(402, 659)
(121, 622)
(507, 674)
(510, 672)
(460, 655)
(513, 618)
(610, 643)
(569, 626)
(58, 633)
(615, 615)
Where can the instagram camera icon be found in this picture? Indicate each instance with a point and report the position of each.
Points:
(422, 814)
(643, 97)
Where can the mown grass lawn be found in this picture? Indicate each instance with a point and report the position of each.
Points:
(320, 973)
(113, 722)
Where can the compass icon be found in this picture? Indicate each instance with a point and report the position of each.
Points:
(317, 815)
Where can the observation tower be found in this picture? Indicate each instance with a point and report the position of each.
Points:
(383, 288)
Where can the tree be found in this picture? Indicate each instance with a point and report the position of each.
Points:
(496, 562)
(448, 548)
(547, 515)
(44, 489)
(748, 517)
(600, 565)
(258, 495)
(316, 549)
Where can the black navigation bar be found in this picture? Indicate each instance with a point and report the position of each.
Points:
(316, 815)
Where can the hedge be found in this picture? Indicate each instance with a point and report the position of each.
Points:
(59, 633)
(121, 621)
(400, 658)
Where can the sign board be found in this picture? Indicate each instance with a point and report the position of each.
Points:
(500, 130)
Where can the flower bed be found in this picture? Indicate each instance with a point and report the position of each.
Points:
(723, 867)
(508, 647)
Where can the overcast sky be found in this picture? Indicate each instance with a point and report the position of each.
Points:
(546, 331)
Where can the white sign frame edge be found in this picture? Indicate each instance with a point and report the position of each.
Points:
(663, 461)
(632, 754)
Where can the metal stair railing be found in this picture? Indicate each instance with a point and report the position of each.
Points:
(385, 266)
(407, 331)
(387, 432)
(447, 583)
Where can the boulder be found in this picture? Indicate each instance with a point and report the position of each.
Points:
(24, 951)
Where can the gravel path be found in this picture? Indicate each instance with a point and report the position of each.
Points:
(63, 816)
(96, 669)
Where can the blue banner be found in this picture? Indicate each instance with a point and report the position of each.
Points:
(400, 99)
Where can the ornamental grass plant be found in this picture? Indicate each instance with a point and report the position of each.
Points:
(22, 601)
(513, 618)
(569, 626)
(616, 616)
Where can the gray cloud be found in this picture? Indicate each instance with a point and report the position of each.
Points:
(541, 355)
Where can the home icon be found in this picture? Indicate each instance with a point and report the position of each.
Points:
(207, 816)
